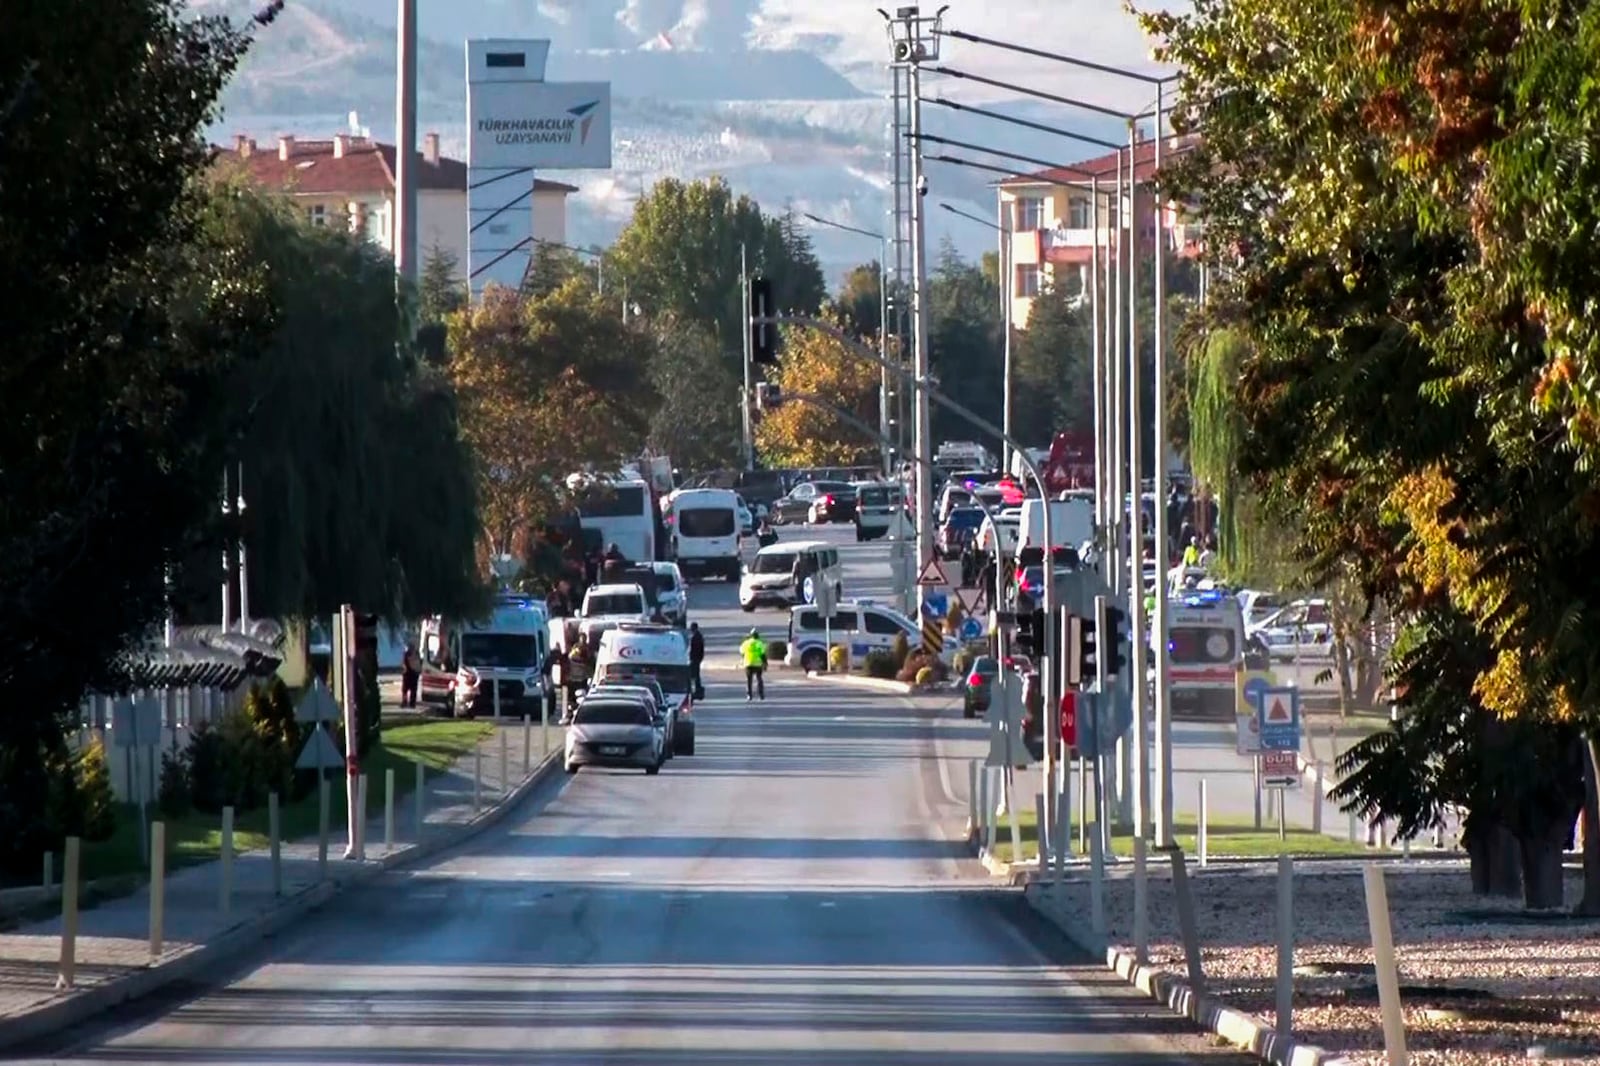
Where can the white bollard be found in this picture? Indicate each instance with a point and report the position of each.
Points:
(972, 797)
(360, 852)
(419, 799)
(388, 810)
(324, 799)
(158, 883)
(68, 971)
(1285, 1019)
(1200, 835)
(225, 883)
(527, 744)
(505, 761)
(477, 779)
(1097, 884)
(544, 727)
(1388, 974)
(1317, 800)
(275, 843)
(1141, 901)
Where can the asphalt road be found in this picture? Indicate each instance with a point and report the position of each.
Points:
(792, 894)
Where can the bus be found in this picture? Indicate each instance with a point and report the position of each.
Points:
(624, 512)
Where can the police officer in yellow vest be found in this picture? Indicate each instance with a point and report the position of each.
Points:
(754, 653)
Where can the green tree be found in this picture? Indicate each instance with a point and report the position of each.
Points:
(679, 256)
(95, 793)
(441, 291)
(343, 444)
(697, 421)
(859, 301)
(1053, 369)
(800, 434)
(120, 326)
(966, 346)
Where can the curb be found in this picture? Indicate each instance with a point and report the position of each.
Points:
(1244, 1031)
(875, 684)
(81, 1006)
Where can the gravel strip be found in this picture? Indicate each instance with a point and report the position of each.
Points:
(1481, 982)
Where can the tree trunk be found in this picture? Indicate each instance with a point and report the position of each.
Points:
(1495, 858)
(1543, 879)
(1589, 905)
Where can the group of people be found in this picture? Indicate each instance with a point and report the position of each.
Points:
(607, 567)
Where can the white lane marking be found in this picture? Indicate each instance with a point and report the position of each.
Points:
(615, 873)
(827, 903)
(944, 775)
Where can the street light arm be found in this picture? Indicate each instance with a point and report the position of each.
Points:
(819, 220)
(970, 217)
(1085, 174)
(1057, 57)
(951, 72)
(1098, 142)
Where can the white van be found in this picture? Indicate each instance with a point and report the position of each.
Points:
(705, 532)
(769, 579)
(464, 663)
(861, 625)
(877, 504)
(633, 652)
(1071, 521)
(606, 606)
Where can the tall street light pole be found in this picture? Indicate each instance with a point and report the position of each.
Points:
(1163, 708)
(1004, 264)
(884, 447)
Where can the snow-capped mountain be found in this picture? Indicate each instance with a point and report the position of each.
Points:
(787, 99)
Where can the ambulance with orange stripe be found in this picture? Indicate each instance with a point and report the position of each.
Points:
(1205, 649)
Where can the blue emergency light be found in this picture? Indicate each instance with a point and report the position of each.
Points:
(1208, 598)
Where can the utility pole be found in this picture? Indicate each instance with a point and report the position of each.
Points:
(1102, 454)
(244, 571)
(1003, 263)
(227, 555)
(885, 448)
(405, 145)
(749, 387)
(914, 39)
(1141, 724)
(1163, 709)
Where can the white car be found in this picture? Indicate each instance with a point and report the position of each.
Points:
(747, 518)
(605, 606)
(672, 592)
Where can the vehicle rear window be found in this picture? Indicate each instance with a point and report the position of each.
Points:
(610, 713)
(706, 522)
(966, 518)
(615, 603)
(1201, 644)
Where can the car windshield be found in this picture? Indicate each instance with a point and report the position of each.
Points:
(773, 563)
(966, 518)
(673, 678)
(615, 603)
(611, 713)
(986, 667)
(499, 650)
(706, 522)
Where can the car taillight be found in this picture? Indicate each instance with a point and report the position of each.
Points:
(975, 679)
(827, 501)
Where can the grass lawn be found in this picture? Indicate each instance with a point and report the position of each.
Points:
(1225, 837)
(197, 837)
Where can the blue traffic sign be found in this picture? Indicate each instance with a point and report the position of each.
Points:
(1278, 718)
(935, 605)
(1253, 688)
(971, 628)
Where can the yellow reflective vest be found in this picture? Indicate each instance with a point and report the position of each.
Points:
(754, 650)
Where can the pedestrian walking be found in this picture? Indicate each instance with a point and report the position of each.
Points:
(410, 675)
(697, 655)
(754, 653)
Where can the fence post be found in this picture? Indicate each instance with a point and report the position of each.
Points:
(158, 883)
(225, 887)
(1285, 1019)
(275, 842)
(1394, 1025)
(69, 915)
(477, 779)
(505, 761)
(527, 743)
(388, 810)
(1317, 800)
(421, 799)
(1201, 841)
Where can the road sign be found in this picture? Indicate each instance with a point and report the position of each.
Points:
(827, 603)
(1069, 719)
(135, 723)
(1280, 769)
(935, 605)
(1278, 719)
(971, 628)
(971, 600)
(933, 574)
(320, 752)
(317, 705)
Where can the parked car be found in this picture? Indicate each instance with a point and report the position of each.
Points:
(796, 506)
(830, 507)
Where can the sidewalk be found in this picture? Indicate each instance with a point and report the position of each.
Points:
(114, 962)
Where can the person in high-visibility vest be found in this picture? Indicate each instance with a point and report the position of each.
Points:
(1191, 553)
(754, 653)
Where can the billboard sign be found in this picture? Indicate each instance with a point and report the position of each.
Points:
(543, 125)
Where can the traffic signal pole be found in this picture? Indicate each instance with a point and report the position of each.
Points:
(749, 387)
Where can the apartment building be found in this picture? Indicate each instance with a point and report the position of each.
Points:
(348, 181)
(1049, 215)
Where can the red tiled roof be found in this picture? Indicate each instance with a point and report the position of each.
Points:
(364, 166)
(1105, 166)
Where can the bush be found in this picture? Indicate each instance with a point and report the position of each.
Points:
(899, 650)
(918, 662)
(913, 663)
(247, 764)
(270, 711)
(174, 796)
(206, 757)
(881, 664)
(97, 799)
(64, 800)
(963, 662)
(839, 659)
(925, 676)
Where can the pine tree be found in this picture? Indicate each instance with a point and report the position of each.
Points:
(97, 798)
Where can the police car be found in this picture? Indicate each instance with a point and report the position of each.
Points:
(1205, 651)
(860, 625)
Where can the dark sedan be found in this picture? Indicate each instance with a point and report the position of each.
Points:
(796, 506)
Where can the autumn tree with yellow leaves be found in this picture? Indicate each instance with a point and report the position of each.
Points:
(800, 434)
(546, 385)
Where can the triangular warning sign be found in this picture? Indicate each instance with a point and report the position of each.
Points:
(932, 573)
(1278, 711)
(973, 601)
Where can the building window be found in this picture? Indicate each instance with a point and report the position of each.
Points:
(318, 215)
(1078, 213)
(1027, 281)
(378, 225)
(1030, 214)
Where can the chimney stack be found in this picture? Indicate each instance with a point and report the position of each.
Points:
(341, 145)
(241, 143)
(430, 149)
(285, 147)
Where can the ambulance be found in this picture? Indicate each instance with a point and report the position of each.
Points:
(488, 665)
(1205, 649)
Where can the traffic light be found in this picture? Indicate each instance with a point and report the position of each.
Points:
(1082, 650)
(763, 335)
(1025, 640)
(1112, 621)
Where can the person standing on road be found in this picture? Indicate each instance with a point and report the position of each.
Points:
(697, 655)
(754, 653)
(410, 674)
(613, 563)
